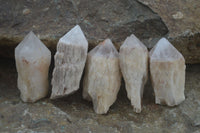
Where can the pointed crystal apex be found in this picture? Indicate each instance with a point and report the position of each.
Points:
(133, 41)
(31, 46)
(31, 37)
(74, 37)
(25, 41)
(107, 43)
(105, 48)
(164, 50)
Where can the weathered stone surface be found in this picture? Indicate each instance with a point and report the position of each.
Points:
(17, 18)
(102, 78)
(133, 57)
(167, 68)
(182, 19)
(32, 61)
(70, 61)
(115, 19)
(73, 114)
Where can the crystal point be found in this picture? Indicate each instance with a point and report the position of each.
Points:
(32, 61)
(133, 57)
(133, 41)
(167, 68)
(102, 77)
(70, 60)
(74, 37)
(164, 50)
(105, 48)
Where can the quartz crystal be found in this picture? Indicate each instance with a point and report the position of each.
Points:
(32, 61)
(167, 68)
(70, 60)
(133, 57)
(102, 78)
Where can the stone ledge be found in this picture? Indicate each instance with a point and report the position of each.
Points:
(149, 20)
(98, 19)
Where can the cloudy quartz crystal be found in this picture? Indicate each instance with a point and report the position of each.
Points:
(102, 77)
(70, 60)
(167, 68)
(133, 57)
(32, 61)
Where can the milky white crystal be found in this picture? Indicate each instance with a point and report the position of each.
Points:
(102, 77)
(32, 61)
(167, 68)
(133, 57)
(70, 60)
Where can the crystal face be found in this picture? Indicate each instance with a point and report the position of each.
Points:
(102, 77)
(133, 57)
(32, 61)
(167, 68)
(70, 60)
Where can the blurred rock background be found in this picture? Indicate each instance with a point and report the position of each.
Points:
(149, 20)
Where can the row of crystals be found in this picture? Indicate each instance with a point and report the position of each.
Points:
(103, 69)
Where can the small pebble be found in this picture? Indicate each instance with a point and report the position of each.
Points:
(26, 11)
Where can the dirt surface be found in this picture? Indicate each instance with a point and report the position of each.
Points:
(73, 114)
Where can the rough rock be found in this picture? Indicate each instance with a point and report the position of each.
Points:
(148, 19)
(70, 61)
(102, 77)
(133, 57)
(167, 68)
(73, 114)
(115, 19)
(32, 61)
(183, 22)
